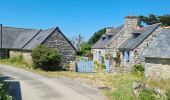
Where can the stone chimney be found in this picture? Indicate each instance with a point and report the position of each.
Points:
(130, 24)
(109, 29)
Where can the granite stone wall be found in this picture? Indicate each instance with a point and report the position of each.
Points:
(26, 55)
(96, 54)
(157, 68)
(57, 40)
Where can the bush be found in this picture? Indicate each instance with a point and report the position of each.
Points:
(147, 95)
(138, 68)
(46, 58)
(3, 93)
(168, 95)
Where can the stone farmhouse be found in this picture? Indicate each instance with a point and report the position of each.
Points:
(21, 41)
(127, 42)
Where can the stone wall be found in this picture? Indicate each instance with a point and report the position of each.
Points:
(96, 54)
(157, 68)
(26, 55)
(57, 40)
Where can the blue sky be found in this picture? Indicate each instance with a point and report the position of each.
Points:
(75, 17)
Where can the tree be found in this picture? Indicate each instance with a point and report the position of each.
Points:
(96, 36)
(165, 20)
(152, 19)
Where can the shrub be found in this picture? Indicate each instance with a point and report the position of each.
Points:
(118, 60)
(168, 95)
(46, 58)
(147, 95)
(137, 68)
(3, 93)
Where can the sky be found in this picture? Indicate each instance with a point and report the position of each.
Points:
(75, 17)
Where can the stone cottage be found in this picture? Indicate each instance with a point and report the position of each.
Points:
(114, 37)
(126, 42)
(21, 41)
(101, 48)
(157, 56)
(133, 48)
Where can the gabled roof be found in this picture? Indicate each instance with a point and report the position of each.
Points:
(131, 43)
(23, 38)
(101, 43)
(160, 47)
(16, 37)
(38, 39)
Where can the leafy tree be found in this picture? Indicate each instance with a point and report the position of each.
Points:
(86, 50)
(97, 36)
(165, 20)
(152, 19)
(46, 58)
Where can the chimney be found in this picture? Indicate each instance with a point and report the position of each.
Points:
(130, 24)
(1, 35)
(109, 29)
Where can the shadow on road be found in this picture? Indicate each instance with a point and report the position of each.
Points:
(12, 86)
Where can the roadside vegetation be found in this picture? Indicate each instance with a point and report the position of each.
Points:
(118, 86)
(46, 58)
(4, 93)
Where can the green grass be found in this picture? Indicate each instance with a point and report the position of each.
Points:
(120, 84)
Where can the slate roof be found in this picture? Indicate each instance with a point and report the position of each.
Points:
(38, 39)
(131, 43)
(101, 43)
(23, 38)
(160, 47)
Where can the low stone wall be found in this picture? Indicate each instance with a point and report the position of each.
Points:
(157, 68)
(26, 55)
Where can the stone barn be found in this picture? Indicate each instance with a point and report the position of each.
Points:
(21, 41)
(157, 57)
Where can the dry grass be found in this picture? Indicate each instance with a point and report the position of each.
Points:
(120, 84)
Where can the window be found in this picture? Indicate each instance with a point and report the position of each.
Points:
(135, 35)
(109, 36)
(103, 38)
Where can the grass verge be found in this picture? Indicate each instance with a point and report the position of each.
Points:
(119, 86)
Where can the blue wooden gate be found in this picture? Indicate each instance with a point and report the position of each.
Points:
(107, 63)
(85, 67)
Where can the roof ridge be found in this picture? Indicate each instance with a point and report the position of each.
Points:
(50, 29)
(32, 38)
(18, 28)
